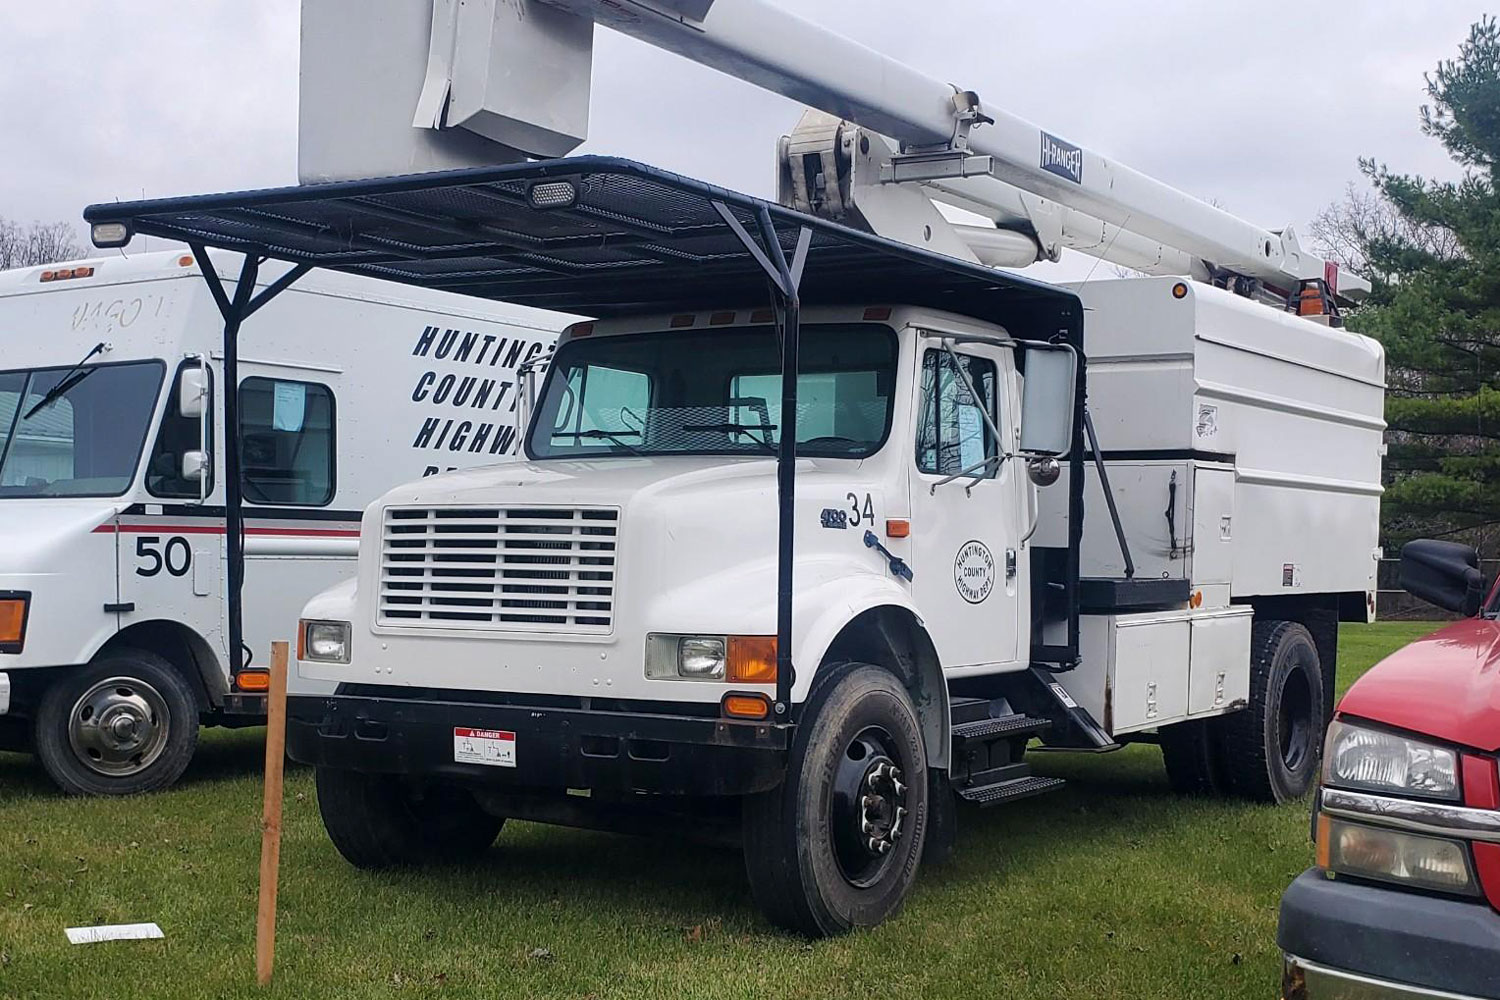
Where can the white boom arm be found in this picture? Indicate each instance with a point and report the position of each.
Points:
(766, 45)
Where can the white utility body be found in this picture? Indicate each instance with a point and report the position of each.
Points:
(351, 386)
(809, 613)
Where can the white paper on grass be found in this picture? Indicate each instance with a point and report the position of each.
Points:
(289, 406)
(114, 932)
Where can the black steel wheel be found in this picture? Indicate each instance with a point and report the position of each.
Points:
(1272, 749)
(837, 844)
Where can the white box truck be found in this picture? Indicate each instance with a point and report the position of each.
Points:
(112, 599)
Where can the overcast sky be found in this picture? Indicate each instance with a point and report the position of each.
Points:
(1263, 107)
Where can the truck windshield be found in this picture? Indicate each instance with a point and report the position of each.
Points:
(717, 391)
(86, 441)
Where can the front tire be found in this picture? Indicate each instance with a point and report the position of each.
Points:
(837, 844)
(383, 821)
(125, 724)
(1273, 748)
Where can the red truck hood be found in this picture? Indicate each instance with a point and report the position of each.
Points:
(1446, 685)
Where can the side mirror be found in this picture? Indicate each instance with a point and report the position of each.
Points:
(194, 466)
(192, 391)
(1047, 401)
(1443, 573)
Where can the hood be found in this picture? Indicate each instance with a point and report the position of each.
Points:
(602, 481)
(1446, 685)
(32, 530)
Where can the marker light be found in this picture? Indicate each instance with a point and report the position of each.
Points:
(109, 234)
(746, 706)
(253, 680)
(897, 527)
(1180, 290)
(553, 194)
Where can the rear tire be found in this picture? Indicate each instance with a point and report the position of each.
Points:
(384, 821)
(123, 725)
(837, 844)
(1273, 748)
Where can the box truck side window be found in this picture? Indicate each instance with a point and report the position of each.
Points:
(177, 436)
(75, 432)
(287, 443)
(951, 433)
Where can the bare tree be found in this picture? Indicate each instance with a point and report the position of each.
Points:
(1343, 230)
(39, 243)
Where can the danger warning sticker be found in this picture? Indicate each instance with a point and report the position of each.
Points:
(491, 747)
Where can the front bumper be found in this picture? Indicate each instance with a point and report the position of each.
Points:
(1349, 941)
(631, 749)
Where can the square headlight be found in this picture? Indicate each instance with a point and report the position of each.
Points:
(324, 642)
(686, 657)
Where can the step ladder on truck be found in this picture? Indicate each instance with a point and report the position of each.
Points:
(823, 519)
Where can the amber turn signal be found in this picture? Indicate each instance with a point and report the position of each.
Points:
(746, 706)
(1324, 838)
(897, 527)
(752, 659)
(253, 680)
(12, 622)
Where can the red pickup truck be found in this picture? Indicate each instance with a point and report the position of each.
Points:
(1404, 901)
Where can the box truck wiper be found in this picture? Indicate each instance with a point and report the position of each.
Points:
(747, 429)
(611, 436)
(75, 375)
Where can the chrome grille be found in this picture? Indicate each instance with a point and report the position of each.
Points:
(539, 569)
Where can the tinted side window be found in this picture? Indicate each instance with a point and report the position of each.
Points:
(286, 441)
(951, 432)
(177, 436)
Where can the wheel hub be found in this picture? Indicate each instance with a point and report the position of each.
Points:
(119, 727)
(869, 808)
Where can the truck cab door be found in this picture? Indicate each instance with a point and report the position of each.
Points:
(964, 503)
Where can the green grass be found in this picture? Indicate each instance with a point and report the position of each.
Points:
(1112, 887)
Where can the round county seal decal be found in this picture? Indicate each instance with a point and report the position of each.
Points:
(974, 572)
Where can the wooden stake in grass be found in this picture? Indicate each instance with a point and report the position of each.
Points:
(270, 817)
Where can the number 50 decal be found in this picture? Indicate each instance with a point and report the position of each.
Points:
(176, 557)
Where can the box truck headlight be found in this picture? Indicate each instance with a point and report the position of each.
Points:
(1370, 760)
(13, 608)
(740, 659)
(323, 642)
(1349, 848)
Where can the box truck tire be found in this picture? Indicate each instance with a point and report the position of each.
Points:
(837, 844)
(1272, 748)
(386, 821)
(125, 724)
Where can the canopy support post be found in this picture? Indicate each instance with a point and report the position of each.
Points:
(235, 307)
(785, 279)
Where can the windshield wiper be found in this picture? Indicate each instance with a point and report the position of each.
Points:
(749, 429)
(611, 436)
(75, 375)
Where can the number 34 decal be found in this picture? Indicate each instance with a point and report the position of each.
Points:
(860, 514)
(176, 556)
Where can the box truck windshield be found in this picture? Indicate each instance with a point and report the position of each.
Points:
(86, 439)
(717, 392)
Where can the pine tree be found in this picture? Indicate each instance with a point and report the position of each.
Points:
(1432, 251)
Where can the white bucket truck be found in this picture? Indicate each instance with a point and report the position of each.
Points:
(801, 574)
(113, 642)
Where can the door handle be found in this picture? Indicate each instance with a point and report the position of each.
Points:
(1010, 565)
